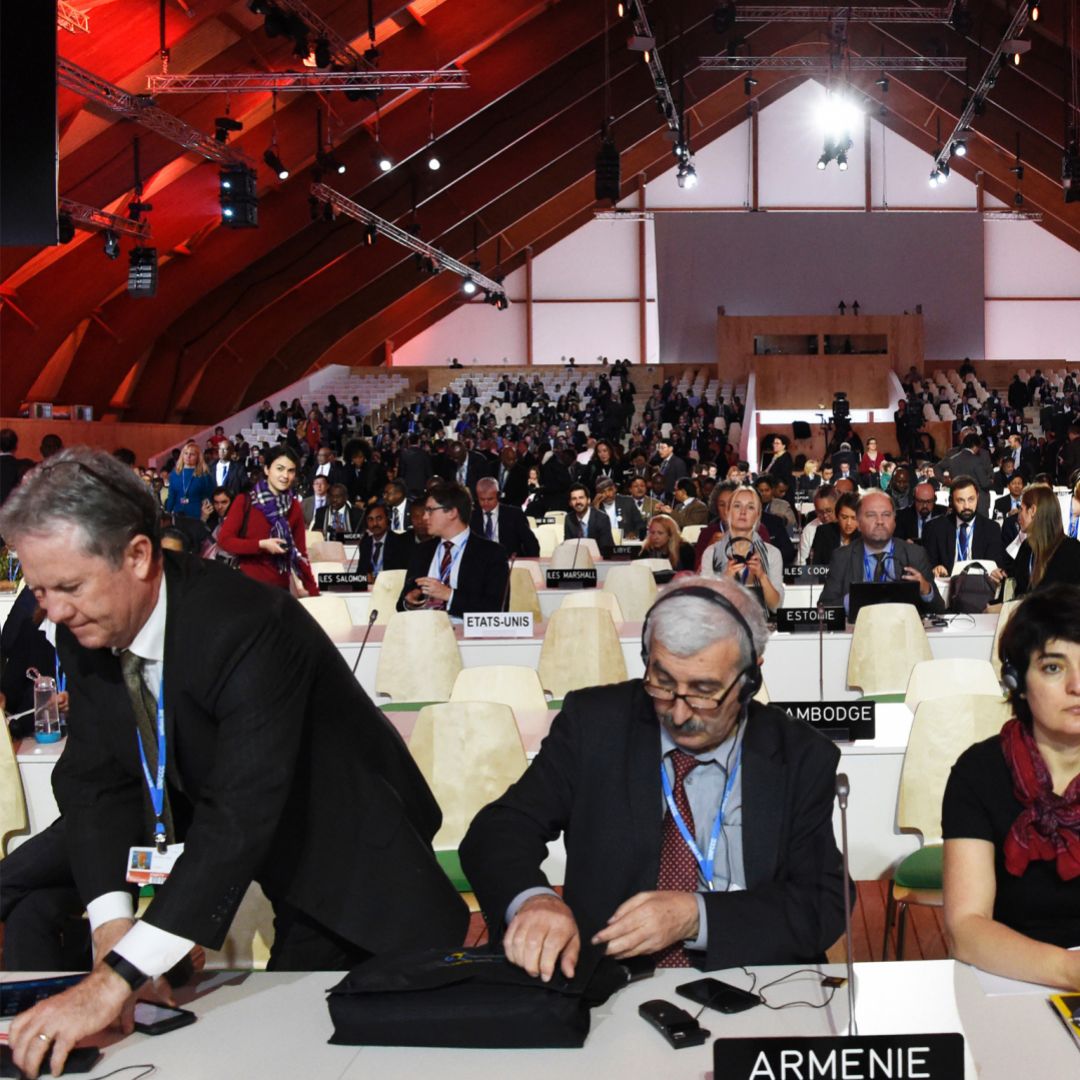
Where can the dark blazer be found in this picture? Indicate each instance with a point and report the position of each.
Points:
(366, 481)
(337, 474)
(939, 540)
(907, 525)
(1003, 505)
(596, 779)
(962, 462)
(414, 470)
(397, 548)
(598, 525)
(846, 568)
(354, 516)
(275, 754)
(674, 471)
(235, 478)
(630, 518)
(482, 574)
(1064, 566)
(515, 535)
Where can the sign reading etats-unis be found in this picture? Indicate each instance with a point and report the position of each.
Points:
(511, 624)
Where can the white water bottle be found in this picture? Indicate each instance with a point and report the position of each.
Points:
(46, 712)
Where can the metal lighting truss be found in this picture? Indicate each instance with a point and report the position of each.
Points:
(978, 95)
(1012, 215)
(341, 52)
(71, 19)
(284, 81)
(830, 63)
(346, 206)
(142, 109)
(623, 215)
(794, 13)
(90, 217)
(656, 70)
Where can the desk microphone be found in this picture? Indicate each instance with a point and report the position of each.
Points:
(370, 623)
(843, 789)
(506, 591)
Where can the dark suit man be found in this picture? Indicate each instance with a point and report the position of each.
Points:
(364, 477)
(456, 570)
(911, 522)
(512, 474)
(227, 472)
(414, 468)
(1008, 506)
(859, 561)
(1069, 462)
(584, 521)
(969, 460)
(671, 466)
(644, 503)
(622, 508)
(273, 753)
(776, 890)
(467, 466)
(337, 515)
(505, 524)
(324, 464)
(11, 467)
(381, 549)
(964, 533)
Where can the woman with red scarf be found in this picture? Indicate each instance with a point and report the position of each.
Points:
(265, 527)
(1011, 816)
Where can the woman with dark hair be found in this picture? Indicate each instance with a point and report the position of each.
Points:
(1011, 815)
(777, 463)
(1047, 556)
(265, 527)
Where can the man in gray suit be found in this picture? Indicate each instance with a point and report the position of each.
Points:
(874, 556)
(968, 459)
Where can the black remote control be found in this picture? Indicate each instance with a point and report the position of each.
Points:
(675, 1024)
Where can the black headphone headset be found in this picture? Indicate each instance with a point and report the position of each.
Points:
(1012, 679)
(751, 674)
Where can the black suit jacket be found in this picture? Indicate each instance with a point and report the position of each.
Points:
(397, 548)
(1064, 567)
(939, 540)
(515, 536)
(630, 518)
(596, 779)
(366, 481)
(907, 526)
(1003, 505)
(354, 516)
(673, 472)
(846, 568)
(280, 769)
(598, 525)
(482, 574)
(337, 474)
(234, 478)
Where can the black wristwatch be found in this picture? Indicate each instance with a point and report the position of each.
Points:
(126, 970)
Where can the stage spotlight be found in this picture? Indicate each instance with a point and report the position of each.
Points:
(1033, 10)
(112, 244)
(841, 161)
(385, 161)
(276, 165)
(225, 124)
(724, 17)
(433, 162)
(686, 175)
(469, 287)
(960, 148)
(935, 178)
(501, 303)
(323, 55)
(371, 234)
(65, 229)
(330, 162)
(239, 197)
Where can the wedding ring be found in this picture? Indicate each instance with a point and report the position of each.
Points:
(45, 1038)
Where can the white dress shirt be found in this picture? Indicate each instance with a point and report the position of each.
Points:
(151, 950)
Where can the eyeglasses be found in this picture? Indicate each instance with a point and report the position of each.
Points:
(693, 702)
(432, 509)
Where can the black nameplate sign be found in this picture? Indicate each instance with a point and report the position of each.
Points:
(841, 720)
(829, 1057)
(546, 521)
(624, 551)
(809, 574)
(805, 620)
(570, 579)
(336, 581)
(345, 537)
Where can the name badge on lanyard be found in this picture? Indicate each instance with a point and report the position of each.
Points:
(156, 784)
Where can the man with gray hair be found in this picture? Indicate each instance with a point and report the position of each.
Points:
(214, 724)
(697, 821)
(505, 524)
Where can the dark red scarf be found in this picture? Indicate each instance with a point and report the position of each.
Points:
(1049, 827)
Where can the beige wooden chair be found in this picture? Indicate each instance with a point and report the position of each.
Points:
(581, 648)
(655, 566)
(944, 678)
(469, 752)
(558, 516)
(889, 640)
(523, 596)
(251, 935)
(549, 538)
(311, 538)
(595, 598)
(691, 533)
(385, 593)
(13, 819)
(518, 687)
(1008, 609)
(635, 587)
(331, 613)
(326, 551)
(321, 567)
(943, 728)
(575, 555)
(419, 659)
(533, 569)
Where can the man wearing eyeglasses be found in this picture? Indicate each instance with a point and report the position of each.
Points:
(457, 570)
(697, 822)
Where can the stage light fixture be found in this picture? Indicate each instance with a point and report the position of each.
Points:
(841, 161)
(112, 244)
(468, 287)
(823, 161)
(276, 165)
(371, 234)
(501, 303)
(944, 171)
(723, 18)
(935, 178)
(1017, 47)
(686, 175)
(223, 125)
(433, 162)
(1033, 10)
(238, 196)
(959, 148)
(384, 161)
(329, 161)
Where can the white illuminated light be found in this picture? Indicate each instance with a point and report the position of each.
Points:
(839, 117)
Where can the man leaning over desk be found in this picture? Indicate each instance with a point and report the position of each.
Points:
(640, 777)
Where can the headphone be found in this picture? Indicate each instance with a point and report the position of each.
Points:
(1012, 679)
(751, 674)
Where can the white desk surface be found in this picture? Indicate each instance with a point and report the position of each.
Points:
(276, 1027)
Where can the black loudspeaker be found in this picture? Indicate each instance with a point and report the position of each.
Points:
(28, 133)
(607, 172)
(800, 429)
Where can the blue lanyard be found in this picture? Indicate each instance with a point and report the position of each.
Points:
(61, 677)
(157, 788)
(705, 862)
(1074, 525)
(870, 564)
(963, 543)
(14, 567)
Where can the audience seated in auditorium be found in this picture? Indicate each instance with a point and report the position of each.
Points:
(911, 522)
(824, 514)
(502, 522)
(381, 548)
(1012, 809)
(337, 516)
(776, 888)
(688, 508)
(874, 556)
(310, 506)
(664, 541)
(741, 555)
(964, 534)
(622, 510)
(1047, 556)
(585, 521)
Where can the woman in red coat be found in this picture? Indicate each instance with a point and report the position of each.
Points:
(265, 527)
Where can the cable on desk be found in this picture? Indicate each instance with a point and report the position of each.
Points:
(147, 1070)
(796, 1004)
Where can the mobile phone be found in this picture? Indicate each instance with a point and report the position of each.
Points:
(718, 995)
(154, 1019)
(80, 1060)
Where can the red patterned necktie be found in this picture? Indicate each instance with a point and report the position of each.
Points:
(678, 867)
(444, 573)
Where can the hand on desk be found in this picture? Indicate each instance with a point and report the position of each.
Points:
(542, 932)
(649, 922)
(911, 574)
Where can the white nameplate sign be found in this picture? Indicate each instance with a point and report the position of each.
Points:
(498, 624)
